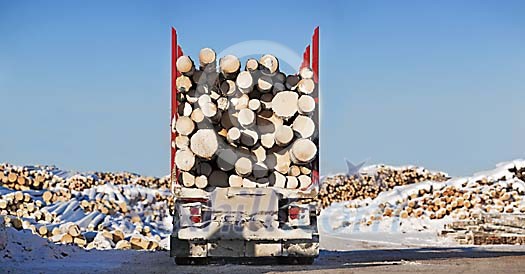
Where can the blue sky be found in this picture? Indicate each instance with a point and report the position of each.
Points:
(85, 84)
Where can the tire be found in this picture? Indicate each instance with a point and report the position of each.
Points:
(191, 261)
(182, 261)
(295, 260)
(305, 260)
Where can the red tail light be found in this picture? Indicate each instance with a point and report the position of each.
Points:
(195, 211)
(195, 219)
(293, 212)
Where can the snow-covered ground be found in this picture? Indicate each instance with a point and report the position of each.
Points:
(354, 220)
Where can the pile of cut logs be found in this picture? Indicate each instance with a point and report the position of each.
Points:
(255, 127)
(87, 211)
(45, 177)
(341, 188)
(485, 229)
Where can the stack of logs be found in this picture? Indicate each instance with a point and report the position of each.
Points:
(460, 201)
(485, 229)
(44, 177)
(341, 188)
(86, 210)
(255, 127)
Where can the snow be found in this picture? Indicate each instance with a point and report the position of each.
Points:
(347, 219)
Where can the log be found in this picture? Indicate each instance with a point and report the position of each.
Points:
(246, 117)
(249, 137)
(268, 140)
(183, 84)
(209, 110)
(240, 102)
(251, 65)
(294, 171)
(197, 116)
(306, 104)
(292, 182)
(185, 160)
(266, 101)
(223, 103)
(201, 182)
(234, 135)
(260, 170)
(248, 183)
(204, 143)
(184, 125)
(185, 65)
(269, 64)
(200, 78)
(207, 59)
(243, 166)
(279, 160)
(229, 66)
(235, 181)
(284, 104)
(260, 153)
(182, 142)
(187, 179)
(219, 178)
(277, 179)
(306, 86)
(254, 105)
(304, 181)
(264, 83)
(228, 88)
(244, 82)
(303, 151)
(304, 126)
(283, 135)
(306, 73)
(203, 168)
(226, 159)
(292, 81)
(184, 109)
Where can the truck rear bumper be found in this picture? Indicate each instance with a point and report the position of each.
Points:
(244, 248)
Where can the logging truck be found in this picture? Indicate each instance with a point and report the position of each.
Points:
(244, 157)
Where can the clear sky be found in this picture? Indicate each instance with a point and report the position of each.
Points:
(85, 84)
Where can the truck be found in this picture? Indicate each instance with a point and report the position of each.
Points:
(245, 223)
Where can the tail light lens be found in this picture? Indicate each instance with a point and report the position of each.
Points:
(299, 215)
(190, 213)
(293, 212)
